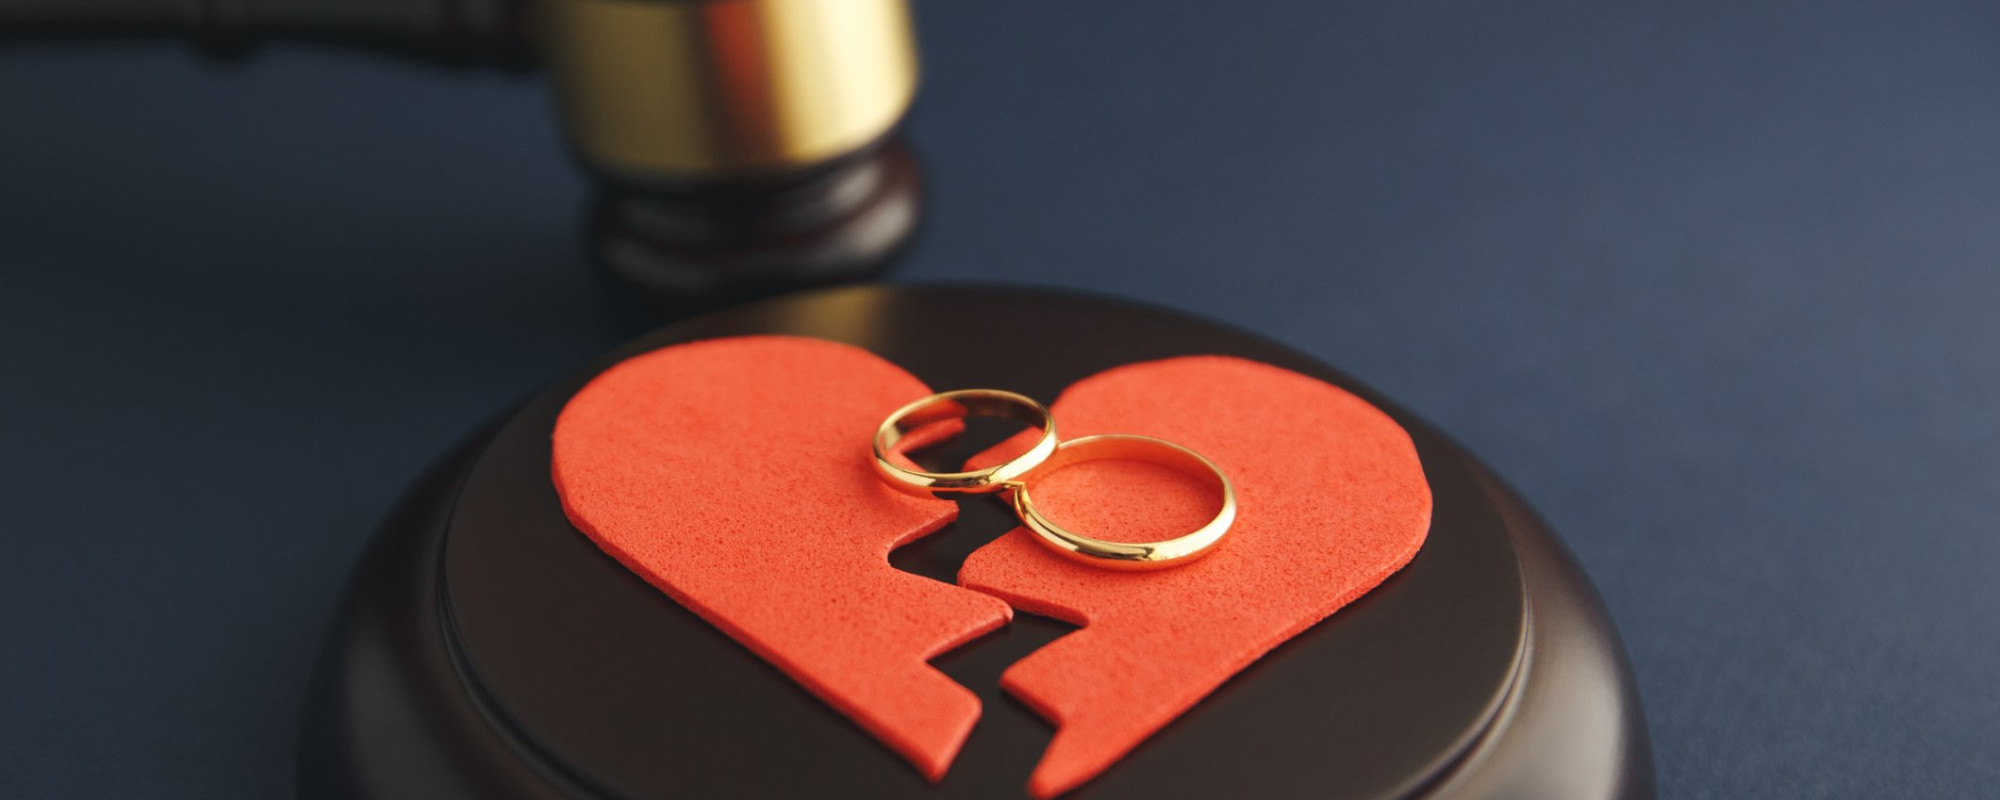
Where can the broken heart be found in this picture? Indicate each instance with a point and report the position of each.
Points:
(732, 474)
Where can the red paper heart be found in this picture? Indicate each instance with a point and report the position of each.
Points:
(733, 474)
(1331, 501)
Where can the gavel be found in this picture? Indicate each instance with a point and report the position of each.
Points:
(739, 147)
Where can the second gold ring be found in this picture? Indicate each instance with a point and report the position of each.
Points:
(1131, 555)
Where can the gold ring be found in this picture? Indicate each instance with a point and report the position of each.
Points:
(1130, 555)
(947, 406)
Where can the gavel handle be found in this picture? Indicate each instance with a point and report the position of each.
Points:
(445, 32)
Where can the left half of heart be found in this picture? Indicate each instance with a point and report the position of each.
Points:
(668, 462)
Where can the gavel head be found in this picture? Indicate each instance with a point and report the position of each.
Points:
(659, 92)
(741, 147)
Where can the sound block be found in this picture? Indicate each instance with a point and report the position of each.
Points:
(486, 649)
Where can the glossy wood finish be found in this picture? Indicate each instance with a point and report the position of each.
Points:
(665, 251)
(489, 650)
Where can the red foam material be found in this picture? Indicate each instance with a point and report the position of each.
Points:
(1332, 500)
(734, 475)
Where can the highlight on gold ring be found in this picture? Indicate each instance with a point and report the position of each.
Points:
(1129, 555)
(944, 408)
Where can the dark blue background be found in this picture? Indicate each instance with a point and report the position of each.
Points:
(1712, 282)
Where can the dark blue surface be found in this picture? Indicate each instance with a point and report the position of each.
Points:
(1714, 284)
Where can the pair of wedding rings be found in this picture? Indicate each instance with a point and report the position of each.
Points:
(1047, 455)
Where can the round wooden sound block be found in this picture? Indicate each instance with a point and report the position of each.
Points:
(487, 649)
